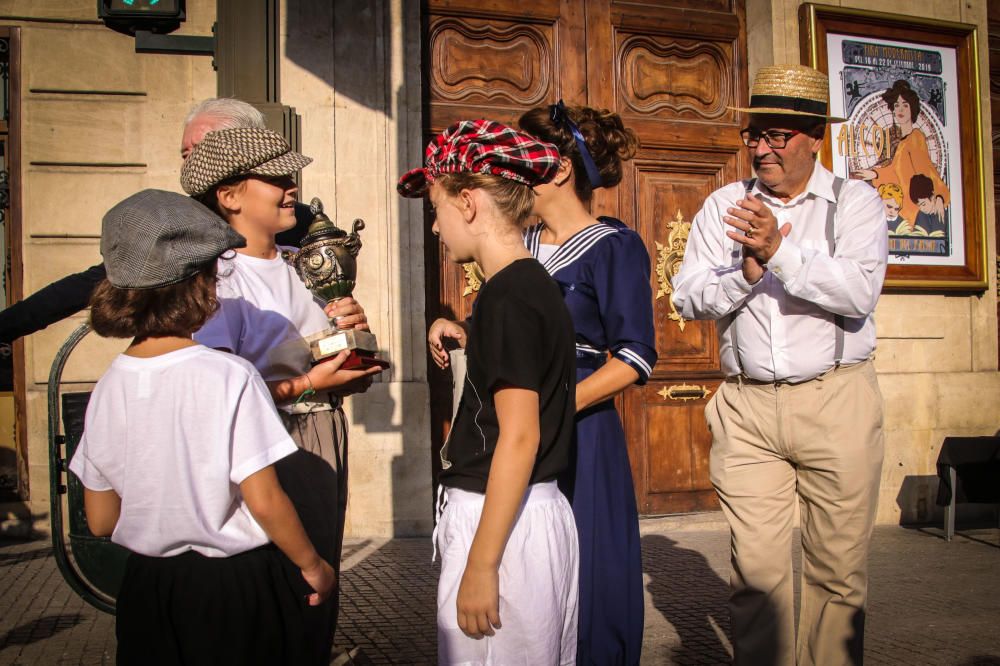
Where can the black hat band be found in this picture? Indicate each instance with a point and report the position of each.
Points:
(789, 103)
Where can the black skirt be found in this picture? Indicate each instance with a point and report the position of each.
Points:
(250, 608)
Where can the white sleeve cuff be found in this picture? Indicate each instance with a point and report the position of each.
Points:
(736, 285)
(284, 448)
(89, 475)
(786, 262)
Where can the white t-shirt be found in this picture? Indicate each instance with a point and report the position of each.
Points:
(174, 436)
(264, 313)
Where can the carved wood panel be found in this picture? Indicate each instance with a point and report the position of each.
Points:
(676, 74)
(707, 5)
(669, 190)
(675, 78)
(495, 62)
(674, 474)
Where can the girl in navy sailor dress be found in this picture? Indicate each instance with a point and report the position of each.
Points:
(603, 269)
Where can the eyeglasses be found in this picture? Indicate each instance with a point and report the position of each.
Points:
(773, 138)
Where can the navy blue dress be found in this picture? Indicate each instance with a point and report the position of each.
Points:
(603, 271)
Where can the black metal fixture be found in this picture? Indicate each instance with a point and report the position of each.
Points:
(127, 16)
(150, 21)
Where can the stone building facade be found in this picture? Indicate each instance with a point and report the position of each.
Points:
(97, 121)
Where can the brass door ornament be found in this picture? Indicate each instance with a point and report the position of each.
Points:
(668, 261)
(473, 278)
(684, 392)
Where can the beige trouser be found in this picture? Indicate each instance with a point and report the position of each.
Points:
(819, 442)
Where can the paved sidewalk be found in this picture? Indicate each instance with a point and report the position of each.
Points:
(931, 602)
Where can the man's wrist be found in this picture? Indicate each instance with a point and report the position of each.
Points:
(763, 261)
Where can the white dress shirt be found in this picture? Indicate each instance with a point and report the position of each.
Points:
(785, 328)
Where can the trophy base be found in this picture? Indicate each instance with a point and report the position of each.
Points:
(359, 360)
(361, 344)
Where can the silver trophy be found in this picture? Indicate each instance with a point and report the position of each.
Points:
(327, 265)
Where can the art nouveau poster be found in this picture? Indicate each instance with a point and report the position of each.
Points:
(910, 91)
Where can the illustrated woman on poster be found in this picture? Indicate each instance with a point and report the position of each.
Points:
(910, 157)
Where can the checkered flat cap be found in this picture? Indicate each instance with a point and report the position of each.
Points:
(483, 146)
(156, 238)
(239, 151)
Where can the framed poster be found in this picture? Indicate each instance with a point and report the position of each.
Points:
(909, 88)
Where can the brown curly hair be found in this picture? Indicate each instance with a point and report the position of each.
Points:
(608, 141)
(177, 309)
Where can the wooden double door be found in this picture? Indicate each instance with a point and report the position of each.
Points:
(670, 68)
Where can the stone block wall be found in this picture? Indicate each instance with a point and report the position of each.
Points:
(98, 122)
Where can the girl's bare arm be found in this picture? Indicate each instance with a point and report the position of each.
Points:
(517, 446)
(608, 381)
(271, 508)
(103, 507)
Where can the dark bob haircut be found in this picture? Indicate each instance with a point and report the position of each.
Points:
(174, 310)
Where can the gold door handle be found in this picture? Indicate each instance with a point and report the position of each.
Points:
(684, 392)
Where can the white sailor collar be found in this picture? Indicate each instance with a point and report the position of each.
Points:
(575, 247)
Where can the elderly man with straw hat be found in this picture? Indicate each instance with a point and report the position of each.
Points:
(790, 263)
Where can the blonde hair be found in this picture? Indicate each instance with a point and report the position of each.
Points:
(513, 200)
(891, 191)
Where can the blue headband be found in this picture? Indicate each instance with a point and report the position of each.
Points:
(557, 113)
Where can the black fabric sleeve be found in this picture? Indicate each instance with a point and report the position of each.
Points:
(50, 304)
(513, 352)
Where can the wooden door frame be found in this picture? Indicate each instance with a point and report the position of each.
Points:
(13, 227)
(993, 50)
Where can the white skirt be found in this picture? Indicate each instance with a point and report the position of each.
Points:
(539, 582)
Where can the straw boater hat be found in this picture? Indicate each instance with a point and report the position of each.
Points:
(791, 90)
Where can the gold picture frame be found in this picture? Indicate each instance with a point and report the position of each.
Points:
(925, 158)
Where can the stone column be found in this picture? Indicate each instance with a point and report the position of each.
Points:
(351, 70)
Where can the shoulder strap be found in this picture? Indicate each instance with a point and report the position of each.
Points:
(831, 241)
(831, 215)
(737, 254)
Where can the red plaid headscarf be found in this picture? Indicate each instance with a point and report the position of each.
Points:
(483, 146)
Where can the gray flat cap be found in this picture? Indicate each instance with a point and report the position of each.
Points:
(155, 238)
(239, 151)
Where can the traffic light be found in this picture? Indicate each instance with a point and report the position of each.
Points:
(127, 16)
